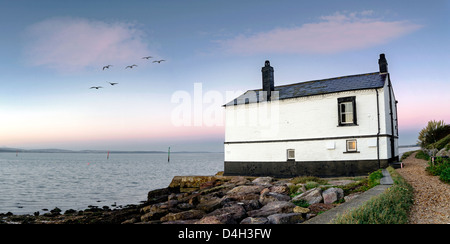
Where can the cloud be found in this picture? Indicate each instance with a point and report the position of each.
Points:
(334, 33)
(72, 44)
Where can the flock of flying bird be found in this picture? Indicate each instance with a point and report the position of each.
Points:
(127, 67)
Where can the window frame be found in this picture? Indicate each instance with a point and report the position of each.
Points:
(287, 154)
(347, 149)
(347, 100)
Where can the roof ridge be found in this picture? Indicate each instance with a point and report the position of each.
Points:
(334, 78)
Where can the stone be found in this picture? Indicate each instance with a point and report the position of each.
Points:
(154, 215)
(236, 212)
(302, 210)
(272, 208)
(210, 204)
(264, 181)
(282, 189)
(239, 197)
(217, 219)
(245, 189)
(255, 220)
(311, 196)
(158, 195)
(189, 183)
(190, 214)
(239, 180)
(332, 195)
(285, 218)
(267, 196)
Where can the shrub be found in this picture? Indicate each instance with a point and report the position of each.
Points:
(374, 178)
(434, 131)
(445, 175)
(421, 155)
(439, 165)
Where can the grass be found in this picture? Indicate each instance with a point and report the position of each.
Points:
(422, 155)
(390, 207)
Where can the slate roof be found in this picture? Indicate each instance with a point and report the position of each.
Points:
(317, 87)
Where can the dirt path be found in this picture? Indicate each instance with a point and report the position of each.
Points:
(431, 196)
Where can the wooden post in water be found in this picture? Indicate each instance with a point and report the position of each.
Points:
(168, 155)
(107, 156)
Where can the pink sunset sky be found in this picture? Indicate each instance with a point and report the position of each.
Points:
(52, 56)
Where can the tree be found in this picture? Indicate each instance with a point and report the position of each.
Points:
(434, 131)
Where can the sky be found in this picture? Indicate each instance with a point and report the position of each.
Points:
(52, 52)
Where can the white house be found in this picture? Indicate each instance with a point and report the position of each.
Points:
(341, 126)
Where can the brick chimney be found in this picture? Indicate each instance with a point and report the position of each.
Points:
(267, 79)
(382, 62)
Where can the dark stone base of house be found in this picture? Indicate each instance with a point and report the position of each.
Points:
(297, 168)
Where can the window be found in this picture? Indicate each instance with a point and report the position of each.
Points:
(351, 146)
(291, 154)
(347, 111)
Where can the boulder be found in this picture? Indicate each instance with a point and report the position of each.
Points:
(190, 214)
(272, 208)
(255, 220)
(285, 218)
(263, 181)
(209, 205)
(217, 219)
(302, 210)
(311, 196)
(268, 196)
(158, 195)
(245, 189)
(189, 183)
(282, 189)
(332, 195)
(236, 210)
(443, 153)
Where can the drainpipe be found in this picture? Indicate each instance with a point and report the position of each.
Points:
(378, 133)
(392, 120)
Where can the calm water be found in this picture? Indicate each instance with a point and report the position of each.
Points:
(33, 181)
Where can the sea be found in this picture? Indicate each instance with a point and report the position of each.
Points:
(31, 182)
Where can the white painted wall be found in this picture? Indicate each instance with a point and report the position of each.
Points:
(306, 118)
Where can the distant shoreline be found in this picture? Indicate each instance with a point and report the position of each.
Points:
(15, 150)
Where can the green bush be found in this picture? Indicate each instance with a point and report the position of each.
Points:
(441, 143)
(445, 175)
(421, 155)
(434, 131)
(374, 178)
(441, 167)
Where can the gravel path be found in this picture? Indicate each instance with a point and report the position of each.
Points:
(431, 196)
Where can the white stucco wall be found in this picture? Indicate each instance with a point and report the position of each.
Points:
(310, 126)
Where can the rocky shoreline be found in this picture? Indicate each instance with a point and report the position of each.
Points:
(212, 200)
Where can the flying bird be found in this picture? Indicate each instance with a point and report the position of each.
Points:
(112, 83)
(147, 57)
(158, 61)
(107, 66)
(96, 87)
(131, 66)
